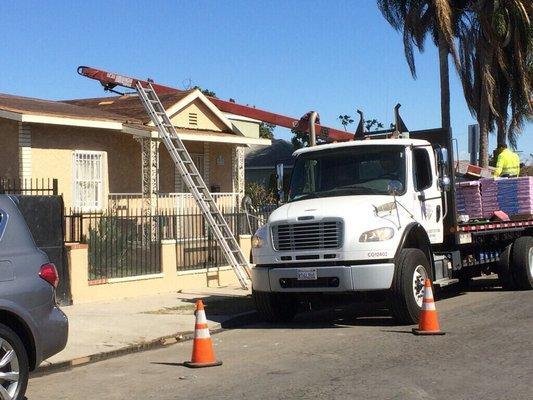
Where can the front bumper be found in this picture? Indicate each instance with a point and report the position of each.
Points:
(349, 278)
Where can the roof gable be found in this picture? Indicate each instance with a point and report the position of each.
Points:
(197, 102)
(131, 107)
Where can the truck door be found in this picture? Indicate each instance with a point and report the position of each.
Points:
(427, 194)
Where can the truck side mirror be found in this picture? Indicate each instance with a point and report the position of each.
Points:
(279, 181)
(445, 183)
(395, 187)
(443, 167)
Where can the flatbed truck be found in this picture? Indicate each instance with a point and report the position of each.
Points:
(379, 216)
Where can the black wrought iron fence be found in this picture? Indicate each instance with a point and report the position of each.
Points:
(119, 245)
(129, 244)
(42, 187)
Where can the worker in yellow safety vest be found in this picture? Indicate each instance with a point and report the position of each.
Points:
(507, 162)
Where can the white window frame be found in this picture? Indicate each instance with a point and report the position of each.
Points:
(96, 173)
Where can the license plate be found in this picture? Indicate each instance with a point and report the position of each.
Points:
(308, 274)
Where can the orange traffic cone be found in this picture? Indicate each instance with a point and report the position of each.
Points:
(429, 321)
(202, 348)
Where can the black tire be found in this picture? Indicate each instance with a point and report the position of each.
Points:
(12, 338)
(503, 269)
(522, 260)
(404, 307)
(275, 307)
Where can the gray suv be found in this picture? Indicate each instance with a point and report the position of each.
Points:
(32, 327)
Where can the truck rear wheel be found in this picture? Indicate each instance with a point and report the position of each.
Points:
(407, 290)
(522, 262)
(503, 268)
(275, 307)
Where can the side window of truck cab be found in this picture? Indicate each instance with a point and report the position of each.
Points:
(422, 175)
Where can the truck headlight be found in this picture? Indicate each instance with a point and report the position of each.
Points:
(256, 242)
(377, 235)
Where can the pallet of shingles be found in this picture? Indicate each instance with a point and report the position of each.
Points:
(489, 197)
(515, 195)
(468, 199)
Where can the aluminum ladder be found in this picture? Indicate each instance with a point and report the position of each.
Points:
(195, 183)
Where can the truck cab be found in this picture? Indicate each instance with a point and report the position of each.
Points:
(350, 209)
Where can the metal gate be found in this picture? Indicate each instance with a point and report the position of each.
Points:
(44, 216)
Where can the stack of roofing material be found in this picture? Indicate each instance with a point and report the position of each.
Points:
(468, 197)
(515, 195)
(489, 197)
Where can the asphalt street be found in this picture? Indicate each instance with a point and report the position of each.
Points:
(486, 354)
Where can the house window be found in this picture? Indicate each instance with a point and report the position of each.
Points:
(88, 180)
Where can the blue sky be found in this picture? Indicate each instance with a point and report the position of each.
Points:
(287, 57)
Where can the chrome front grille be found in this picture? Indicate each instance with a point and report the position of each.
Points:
(308, 236)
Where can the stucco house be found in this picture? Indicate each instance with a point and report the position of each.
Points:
(105, 152)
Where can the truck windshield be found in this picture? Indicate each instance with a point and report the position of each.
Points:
(360, 170)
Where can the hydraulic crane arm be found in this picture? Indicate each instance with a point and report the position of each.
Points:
(111, 80)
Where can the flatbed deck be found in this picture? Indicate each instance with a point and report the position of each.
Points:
(493, 226)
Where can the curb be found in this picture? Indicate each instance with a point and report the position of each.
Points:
(235, 321)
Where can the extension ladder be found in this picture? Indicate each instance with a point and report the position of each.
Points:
(195, 183)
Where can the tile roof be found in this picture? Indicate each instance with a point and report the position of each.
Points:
(28, 105)
(128, 105)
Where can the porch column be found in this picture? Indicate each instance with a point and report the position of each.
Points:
(237, 157)
(150, 173)
(24, 152)
(207, 163)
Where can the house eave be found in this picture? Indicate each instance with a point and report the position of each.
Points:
(55, 120)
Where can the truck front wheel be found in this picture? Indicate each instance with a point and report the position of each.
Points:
(275, 307)
(407, 290)
(522, 262)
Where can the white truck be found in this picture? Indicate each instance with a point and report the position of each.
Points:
(379, 216)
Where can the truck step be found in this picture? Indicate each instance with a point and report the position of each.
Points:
(445, 282)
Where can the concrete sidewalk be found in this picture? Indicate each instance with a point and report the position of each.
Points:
(103, 329)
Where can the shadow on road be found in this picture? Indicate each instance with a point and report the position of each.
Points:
(360, 313)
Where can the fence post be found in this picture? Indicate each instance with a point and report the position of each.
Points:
(54, 186)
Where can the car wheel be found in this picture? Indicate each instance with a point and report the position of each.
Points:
(275, 307)
(522, 262)
(407, 291)
(14, 367)
(503, 269)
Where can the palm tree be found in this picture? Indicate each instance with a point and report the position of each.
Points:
(496, 48)
(417, 19)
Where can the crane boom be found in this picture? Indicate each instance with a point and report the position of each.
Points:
(111, 80)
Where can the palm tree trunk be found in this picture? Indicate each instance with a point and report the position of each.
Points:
(444, 82)
(483, 120)
(502, 132)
